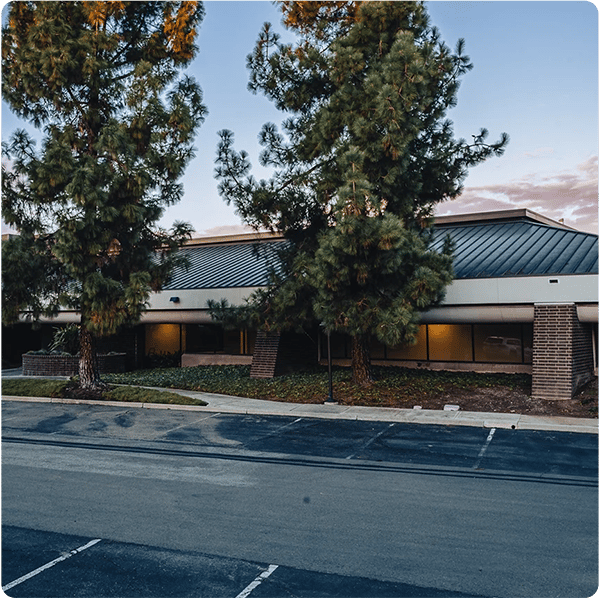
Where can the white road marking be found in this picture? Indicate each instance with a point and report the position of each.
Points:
(246, 592)
(484, 448)
(283, 427)
(365, 446)
(189, 424)
(276, 431)
(49, 565)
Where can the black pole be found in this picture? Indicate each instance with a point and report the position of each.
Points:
(330, 399)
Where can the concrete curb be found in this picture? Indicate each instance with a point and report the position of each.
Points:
(234, 405)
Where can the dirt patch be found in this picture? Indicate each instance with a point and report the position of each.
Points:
(507, 400)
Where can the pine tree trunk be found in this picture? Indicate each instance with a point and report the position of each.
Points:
(89, 378)
(361, 361)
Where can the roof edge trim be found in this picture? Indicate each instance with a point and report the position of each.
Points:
(500, 215)
(237, 238)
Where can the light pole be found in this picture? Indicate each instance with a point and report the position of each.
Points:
(330, 399)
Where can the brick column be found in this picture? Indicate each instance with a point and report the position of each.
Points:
(264, 359)
(562, 352)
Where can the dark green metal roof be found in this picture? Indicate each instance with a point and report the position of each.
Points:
(518, 248)
(226, 266)
(513, 248)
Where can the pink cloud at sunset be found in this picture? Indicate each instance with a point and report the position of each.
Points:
(568, 195)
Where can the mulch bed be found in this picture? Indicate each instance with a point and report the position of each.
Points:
(497, 398)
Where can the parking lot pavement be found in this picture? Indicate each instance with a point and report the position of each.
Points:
(114, 569)
(548, 452)
(202, 504)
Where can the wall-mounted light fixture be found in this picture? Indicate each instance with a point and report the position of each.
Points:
(174, 299)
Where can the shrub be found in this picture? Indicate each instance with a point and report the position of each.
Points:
(66, 339)
(162, 360)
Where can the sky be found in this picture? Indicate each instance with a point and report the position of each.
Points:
(535, 77)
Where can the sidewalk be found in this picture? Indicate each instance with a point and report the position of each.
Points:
(235, 405)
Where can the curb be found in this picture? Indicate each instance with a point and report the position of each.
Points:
(248, 406)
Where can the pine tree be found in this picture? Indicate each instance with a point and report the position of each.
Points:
(366, 153)
(103, 81)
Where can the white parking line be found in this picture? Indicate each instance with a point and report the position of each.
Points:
(246, 592)
(189, 424)
(365, 446)
(484, 448)
(283, 427)
(12, 584)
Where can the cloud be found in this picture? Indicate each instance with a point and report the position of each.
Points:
(539, 153)
(224, 230)
(568, 195)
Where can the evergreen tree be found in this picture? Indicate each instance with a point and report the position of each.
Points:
(366, 154)
(103, 81)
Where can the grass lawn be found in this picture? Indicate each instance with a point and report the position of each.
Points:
(51, 388)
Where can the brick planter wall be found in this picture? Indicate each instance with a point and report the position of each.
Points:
(47, 365)
(562, 352)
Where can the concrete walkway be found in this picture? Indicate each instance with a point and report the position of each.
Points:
(232, 404)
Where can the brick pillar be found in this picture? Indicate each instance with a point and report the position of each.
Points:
(562, 352)
(264, 358)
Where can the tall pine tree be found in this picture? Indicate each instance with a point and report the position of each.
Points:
(366, 153)
(103, 81)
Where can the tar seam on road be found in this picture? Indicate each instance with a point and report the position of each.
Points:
(246, 592)
(49, 565)
(484, 448)
(371, 440)
(340, 464)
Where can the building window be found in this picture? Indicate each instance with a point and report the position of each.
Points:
(232, 342)
(247, 341)
(340, 345)
(204, 338)
(378, 350)
(503, 342)
(450, 343)
(415, 352)
(480, 342)
(164, 338)
(214, 339)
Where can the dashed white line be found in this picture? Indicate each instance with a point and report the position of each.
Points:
(484, 448)
(246, 592)
(49, 565)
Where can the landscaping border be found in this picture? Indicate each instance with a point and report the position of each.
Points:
(48, 365)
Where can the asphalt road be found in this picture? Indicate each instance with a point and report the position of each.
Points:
(182, 504)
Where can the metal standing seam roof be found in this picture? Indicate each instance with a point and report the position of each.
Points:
(518, 248)
(481, 250)
(226, 266)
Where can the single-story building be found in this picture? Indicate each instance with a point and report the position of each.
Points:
(524, 299)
